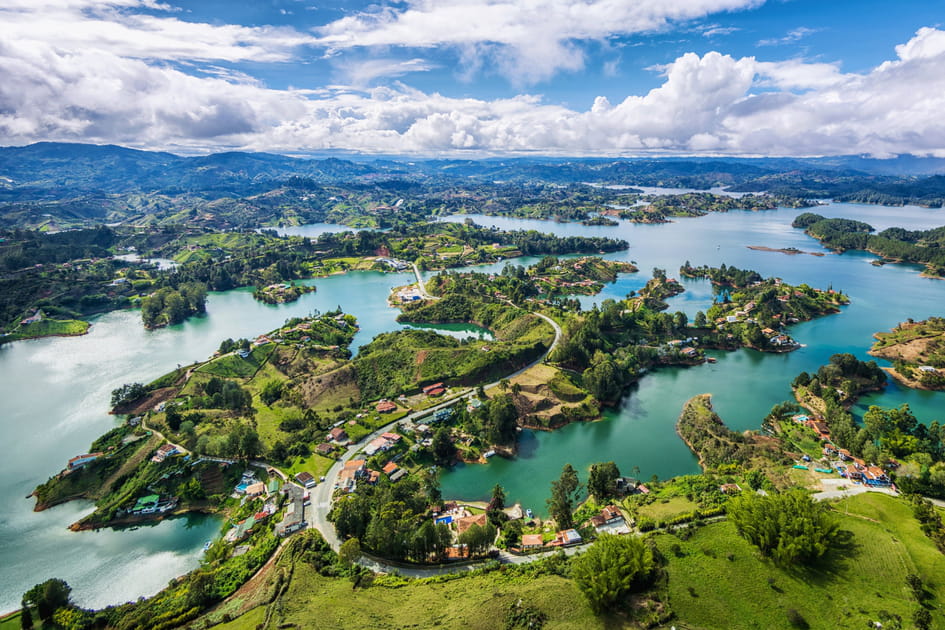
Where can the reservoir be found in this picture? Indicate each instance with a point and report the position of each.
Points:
(54, 393)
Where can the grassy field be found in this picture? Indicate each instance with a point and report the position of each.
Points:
(478, 602)
(719, 581)
(49, 328)
(659, 510)
(314, 463)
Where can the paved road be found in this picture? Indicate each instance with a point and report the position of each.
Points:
(321, 495)
(420, 285)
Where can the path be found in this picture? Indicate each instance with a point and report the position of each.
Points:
(420, 285)
(321, 495)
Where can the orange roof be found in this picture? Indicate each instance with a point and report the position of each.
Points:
(390, 467)
(462, 524)
(354, 464)
(532, 540)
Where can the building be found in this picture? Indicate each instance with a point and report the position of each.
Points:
(386, 406)
(324, 448)
(532, 541)
(464, 523)
(567, 537)
(81, 460)
(164, 452)
(254, 490)
(436, 389)
(306, 479)
(442, 415)
(730, 488)
(338, 435)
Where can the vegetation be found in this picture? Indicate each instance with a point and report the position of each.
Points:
(895, 244)
(611, 569)
(790, 528)
(169, 306)
(917, 350)
(565, 492)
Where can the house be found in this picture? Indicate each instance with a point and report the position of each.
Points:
(567, 537)
(830, 450)
(730, 488)
(386, 406)
(255, 490)
(532, 541)
(81, 460)
(875, 476)
(34, 318)
(306, 479)
(612, 514)
(338, 435)
(442, 415)
(436, 389)
(324, 448)
(464, 523)
(390, 468)
(352, 471)
(164, 452)
(688, 351)
(927, 369)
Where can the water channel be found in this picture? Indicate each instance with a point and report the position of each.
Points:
(54, 392)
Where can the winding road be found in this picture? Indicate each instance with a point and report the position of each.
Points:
(321, 495)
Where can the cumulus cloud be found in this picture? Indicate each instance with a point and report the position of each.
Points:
(529, 40)
(59, 86)
(110, 26)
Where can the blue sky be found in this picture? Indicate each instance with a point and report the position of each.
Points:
(478, 77)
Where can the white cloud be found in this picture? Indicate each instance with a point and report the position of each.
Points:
(362, 73)
(794, 35)
(108, 26)
(56, 87)
(529, 40)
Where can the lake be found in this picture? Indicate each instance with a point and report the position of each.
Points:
(54, 392)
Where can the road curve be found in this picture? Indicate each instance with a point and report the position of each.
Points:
(321, 495)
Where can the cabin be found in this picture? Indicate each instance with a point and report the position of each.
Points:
(338, 435)
(324, 449)
(386, 406)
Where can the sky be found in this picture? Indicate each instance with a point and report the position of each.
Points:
(478, 78)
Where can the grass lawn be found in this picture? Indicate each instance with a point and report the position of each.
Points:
(709, 590)
(233, 366)
(477, 602)
(314, 463)
(658, 510)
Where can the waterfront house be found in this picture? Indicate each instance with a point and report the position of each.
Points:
(81, 460)
(464, 523)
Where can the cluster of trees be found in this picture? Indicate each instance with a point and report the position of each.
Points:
(394, 520)
(791, 528)
(168, 306)
(846, 373)
(220, 393)
(127, 393)
(722, 275)
(613, 568)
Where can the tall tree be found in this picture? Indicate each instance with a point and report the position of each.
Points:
(564, 496)
(601, 481)
(611, 569)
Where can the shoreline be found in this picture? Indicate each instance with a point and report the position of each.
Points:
(784, 250)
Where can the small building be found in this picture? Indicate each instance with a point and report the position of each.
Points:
(730, 488)
(464, 523)
(81, 460)
(164, 452)
(436, 389)
(442, 415)
(324, 448)
(386, 406)
(338, 435)
(568, 537)
(254, 490)
(927, 369)
(306, 479)
(532, 541)
(390, 468)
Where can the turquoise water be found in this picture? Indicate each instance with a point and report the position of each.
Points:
(639, 436)
(54, 392)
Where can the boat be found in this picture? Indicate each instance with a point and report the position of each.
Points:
(711, 360)
(528, 513)
(488, 454)
(207, 545)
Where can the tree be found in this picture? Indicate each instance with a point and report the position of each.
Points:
(478, 538)
(497, 501)
(700, 321)
(791, 527)
(271, 392)
(564, 495)
(350, 551)
(26, 618)
(129, 392)
(443, 449)
(47, 597)
(602, 479)
(172, 416)
(611, 569)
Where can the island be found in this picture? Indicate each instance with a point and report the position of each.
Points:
(917, 351)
